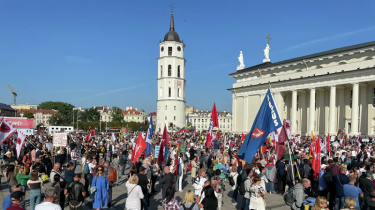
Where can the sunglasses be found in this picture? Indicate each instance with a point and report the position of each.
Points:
(100, 169)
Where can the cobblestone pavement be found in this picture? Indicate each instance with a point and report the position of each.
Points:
(273, 201)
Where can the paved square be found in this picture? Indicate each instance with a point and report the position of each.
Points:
(273, 201)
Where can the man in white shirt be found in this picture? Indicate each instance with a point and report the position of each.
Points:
(180, 175)
(48, 203)
(89, 175)
(74, 156)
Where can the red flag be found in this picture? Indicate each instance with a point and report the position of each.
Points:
(139, 148)
(242, 138)
(164, 142)
(215, 120)
(316, 159)
(92, 132)
(280, 148)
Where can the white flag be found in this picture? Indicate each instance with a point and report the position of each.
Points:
(20, 140)
(6, 129)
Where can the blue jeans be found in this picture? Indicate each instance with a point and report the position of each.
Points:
(24, 188)
(74, 164)
(245, 203)
(145, 202)
(270, 186)
(235, 194)
(79, 152)
(339, 203)
(35, 198)
(123, 166)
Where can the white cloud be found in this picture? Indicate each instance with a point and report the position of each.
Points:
(331, 37)
(112, 91)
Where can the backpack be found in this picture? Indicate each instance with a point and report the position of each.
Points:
(190, 166)
(288, 196)
(123, 160)
(112, 177)
(242, 189)
(231, 181)
(328, 174)
(190, 208)
(86, 169)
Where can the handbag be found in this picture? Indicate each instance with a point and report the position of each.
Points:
(93, 189)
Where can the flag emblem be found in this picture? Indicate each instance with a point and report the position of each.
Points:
(19, 140)
(257, 133)
(4, 128)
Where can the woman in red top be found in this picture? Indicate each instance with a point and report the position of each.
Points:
(27, 162)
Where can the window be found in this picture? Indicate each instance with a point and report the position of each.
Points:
(161, 92)
(169, 51)
(199, 126)
(169, 70)
(373, 98)
(284, 102)
(132, 118)
(174, 118)
(178, 71)
(224, 120)
(199, 120)
(206, 120)
(178, 92)
(174, 107)
(195, 120)
(351, 99)
(169, 92)
(138, 118)
(165, 117)
(161, 71)
(165, 107)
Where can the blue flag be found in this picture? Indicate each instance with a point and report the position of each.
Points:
(150, 132)
(266, 121)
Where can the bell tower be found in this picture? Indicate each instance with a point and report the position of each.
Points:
(171, 81)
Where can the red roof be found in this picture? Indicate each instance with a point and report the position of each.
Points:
(34, 111)
(152, 113)
(130, 112)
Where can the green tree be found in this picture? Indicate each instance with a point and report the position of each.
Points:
(56, 119)
(65, 111)
(28, 114)
(90, 115)
(117, 114)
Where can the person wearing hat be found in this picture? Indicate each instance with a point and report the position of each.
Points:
(76, 193)
(16, 198)
(8, 200)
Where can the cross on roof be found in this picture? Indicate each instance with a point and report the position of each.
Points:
(268, 37)
(172, 7)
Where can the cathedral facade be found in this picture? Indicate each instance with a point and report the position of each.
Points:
(322, 92)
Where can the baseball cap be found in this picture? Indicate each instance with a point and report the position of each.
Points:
(17, 195)
(323, 165)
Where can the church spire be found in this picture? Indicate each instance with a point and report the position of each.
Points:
(171, 28)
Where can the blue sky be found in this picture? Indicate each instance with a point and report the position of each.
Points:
(97, 52)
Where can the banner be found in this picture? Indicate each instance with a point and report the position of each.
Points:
(20, 122)
(157, 148)
(60, 139)
(183, 149)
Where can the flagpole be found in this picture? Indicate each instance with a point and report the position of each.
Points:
(290, 157)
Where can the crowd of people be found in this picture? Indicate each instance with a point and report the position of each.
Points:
(345, 180)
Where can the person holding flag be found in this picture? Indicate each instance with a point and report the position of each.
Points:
(214, 122)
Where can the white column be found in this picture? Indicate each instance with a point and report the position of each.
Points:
(363, 111)
(234, 113)
(320, 118)
(293, 113)
(332, 110)
(354, 127)
(245, 117)
(312, 110)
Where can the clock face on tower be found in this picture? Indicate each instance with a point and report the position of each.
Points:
(162, 49)
(179, 48)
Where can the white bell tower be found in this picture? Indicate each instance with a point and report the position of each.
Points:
(171, 82)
